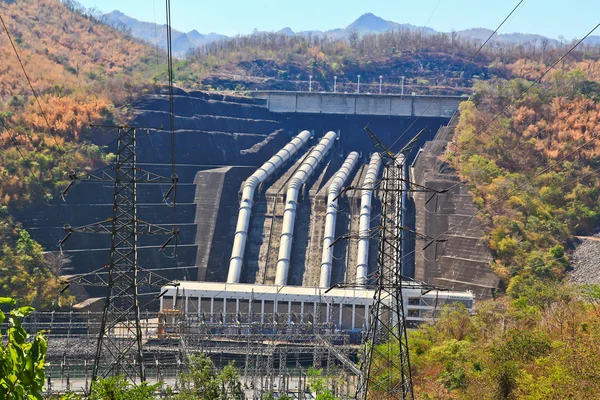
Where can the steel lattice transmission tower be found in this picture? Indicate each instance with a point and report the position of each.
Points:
(385, 366)
(385, 362)
(119, 345)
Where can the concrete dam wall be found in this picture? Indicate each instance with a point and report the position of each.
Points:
(463, 261)
(220, 143)
(360, 104)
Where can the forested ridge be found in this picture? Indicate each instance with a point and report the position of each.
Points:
(530, 156)
(83, 72)
(533, 169)
(431, 63)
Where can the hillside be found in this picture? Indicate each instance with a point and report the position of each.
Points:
(531, 160)
(531, 172)
(81, 70)
(371, 46)
(431, 64)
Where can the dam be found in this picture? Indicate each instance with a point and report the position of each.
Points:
(359, 104)
(257, 181)
(278, 212)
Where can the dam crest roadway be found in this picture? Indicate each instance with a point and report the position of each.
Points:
(391, 105)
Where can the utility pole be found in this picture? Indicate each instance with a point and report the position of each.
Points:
(335, 84)
(402, 91)
(358, 85)
(119, 345)
(380, 82)
(310, 83)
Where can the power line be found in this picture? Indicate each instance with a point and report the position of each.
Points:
(174, 177)
(532, 84)
(32, 174)
(433, 12)
(26, 76)
(460, 72)
(504, 197)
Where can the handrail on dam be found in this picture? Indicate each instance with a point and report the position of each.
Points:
(364, 223)
(331, 216)
(291, 201)
(259, 176)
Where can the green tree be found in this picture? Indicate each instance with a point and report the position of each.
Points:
(120, 388)
(22, 361)
(203, 381)
(319, 384)
(25, 275)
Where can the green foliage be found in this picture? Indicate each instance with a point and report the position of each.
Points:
(202, 381)
(543, 345)
(534, 192)
(22, 360)
(120, 388)
(25, 274)
(521, 345)
(453, 376)
(319, 385)
(454, 321)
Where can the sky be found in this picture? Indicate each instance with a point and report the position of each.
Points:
(552, 18)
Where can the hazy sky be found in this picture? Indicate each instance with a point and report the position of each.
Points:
(573, 18)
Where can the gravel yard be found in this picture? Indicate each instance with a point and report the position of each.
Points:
(586, 262)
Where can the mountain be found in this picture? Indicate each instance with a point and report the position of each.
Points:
(156, 34)
(287, 31)
(365, 24)
(213, 37)
(592, 40)
(195, 36)
(370, 23)
(481, 34)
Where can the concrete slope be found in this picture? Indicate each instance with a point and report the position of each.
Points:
(463, 261)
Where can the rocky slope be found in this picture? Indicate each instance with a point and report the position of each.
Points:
(586, 262)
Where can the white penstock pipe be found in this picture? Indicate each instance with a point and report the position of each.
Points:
(330, 219)
(259, 176)
(291, 199)
(364, 223)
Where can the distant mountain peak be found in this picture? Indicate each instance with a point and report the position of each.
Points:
(368, 15)
(286, 31)
(154, 33)
(194, 35)
(371, 22)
